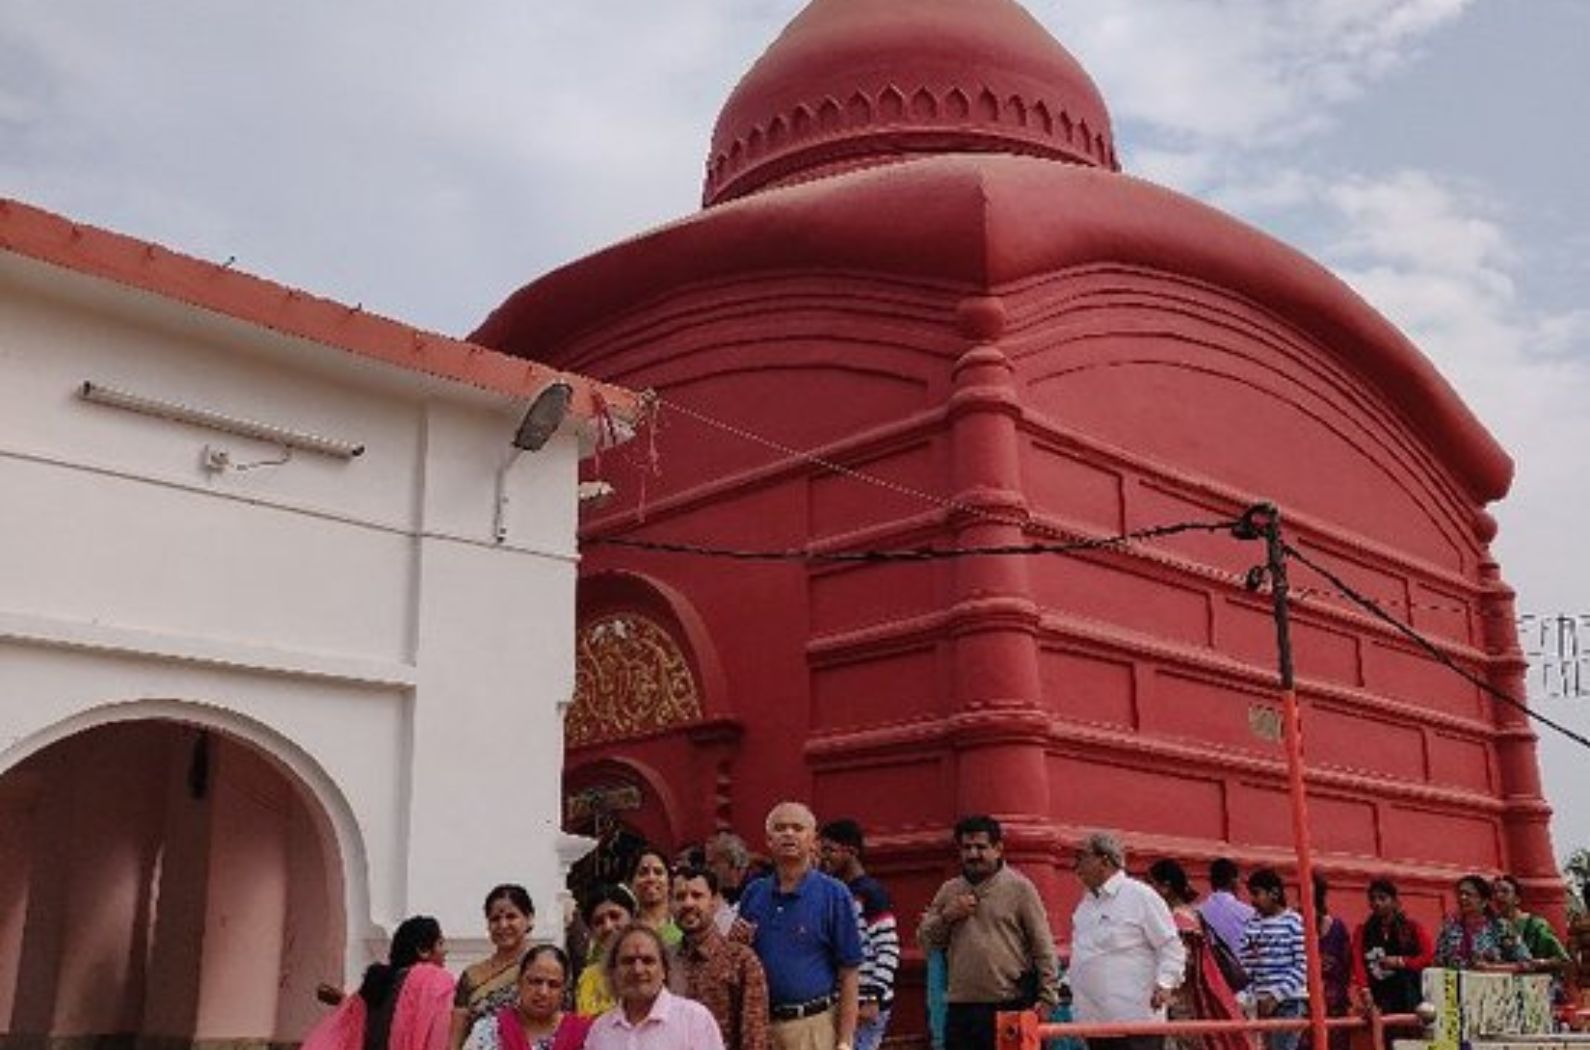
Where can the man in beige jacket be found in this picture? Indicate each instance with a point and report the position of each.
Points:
(991, 922)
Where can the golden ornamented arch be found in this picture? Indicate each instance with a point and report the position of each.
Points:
(630, 678)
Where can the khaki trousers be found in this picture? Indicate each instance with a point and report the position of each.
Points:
(817, 1032)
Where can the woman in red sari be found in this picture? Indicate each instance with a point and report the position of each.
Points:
(1204, 994)
(537, 1018)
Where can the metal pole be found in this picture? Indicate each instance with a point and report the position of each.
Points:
(1267, 519)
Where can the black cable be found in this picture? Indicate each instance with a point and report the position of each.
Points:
(915, 553)
(1428, 646)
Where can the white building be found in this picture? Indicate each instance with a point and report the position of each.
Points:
(270, 678)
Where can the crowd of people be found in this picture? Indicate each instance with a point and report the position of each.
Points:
(703, 952)
(1141, 950)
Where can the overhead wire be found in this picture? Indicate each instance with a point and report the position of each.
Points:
(1072, 546)
(948, 503)
(899, 488)
(917, 553)
(1430, 648)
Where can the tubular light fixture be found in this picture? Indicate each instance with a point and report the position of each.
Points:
(177, 412)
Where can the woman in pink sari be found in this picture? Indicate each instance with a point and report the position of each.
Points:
(1204, 994)
(537, 1018)
(405, 1003)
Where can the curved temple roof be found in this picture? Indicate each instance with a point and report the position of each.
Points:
(985, 222)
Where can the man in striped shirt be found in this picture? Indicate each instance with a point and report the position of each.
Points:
(1275, 956)
(841, 847)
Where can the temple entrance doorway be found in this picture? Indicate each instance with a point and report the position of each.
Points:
(164, 885)
(619, 806)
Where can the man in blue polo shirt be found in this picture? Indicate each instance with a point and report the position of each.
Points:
(804, 930)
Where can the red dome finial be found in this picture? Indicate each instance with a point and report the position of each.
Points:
(854, 83)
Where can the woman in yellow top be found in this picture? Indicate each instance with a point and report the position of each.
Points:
(607, 910)
(494, 981)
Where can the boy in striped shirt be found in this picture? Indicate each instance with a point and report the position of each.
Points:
(841, 848)
(1274, 955)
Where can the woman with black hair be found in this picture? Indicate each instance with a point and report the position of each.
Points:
(405, 1003)
(1389, 952)
(493, 982)
(538, 1018)
(1474, 938)
(1336, 963)
(1204, 994)
(608, 909)
(651, 887)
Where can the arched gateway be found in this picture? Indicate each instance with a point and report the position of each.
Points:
(174, 875)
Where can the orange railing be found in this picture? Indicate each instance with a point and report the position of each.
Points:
(1023, 1031)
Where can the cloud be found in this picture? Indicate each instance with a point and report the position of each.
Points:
(1245, 72)
(421, 160)
(1416, 218)
(1433, 254)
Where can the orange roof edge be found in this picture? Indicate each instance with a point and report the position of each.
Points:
(50, 238)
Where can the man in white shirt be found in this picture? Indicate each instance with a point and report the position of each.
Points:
(1126, 955)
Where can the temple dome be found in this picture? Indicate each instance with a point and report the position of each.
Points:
(856, 83)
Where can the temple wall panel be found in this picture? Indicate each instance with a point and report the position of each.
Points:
(885, 796)
(745, 315)
(1196, 380)
(1086, 688)
(1063, 482)
(1185, 416)
(1436, 837)
(1403, 674)
(1154, 497)
(1088, 794)
(1119, 593)
(1461, 762)
(878, 689)
(1441, 612)
(1207, 710)
(858, 596)
(839, 504)
(1261, 815)
(1350, 739)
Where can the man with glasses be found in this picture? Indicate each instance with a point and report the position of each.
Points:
(1127, 956)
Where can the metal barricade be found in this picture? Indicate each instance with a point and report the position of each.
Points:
(1024, 1031)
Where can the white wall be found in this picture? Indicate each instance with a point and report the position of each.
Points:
(355, 619)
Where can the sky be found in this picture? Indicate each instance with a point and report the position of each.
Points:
(424, 160)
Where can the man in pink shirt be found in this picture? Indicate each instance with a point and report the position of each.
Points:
(648, 1016)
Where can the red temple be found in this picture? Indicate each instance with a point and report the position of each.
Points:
(923, 307)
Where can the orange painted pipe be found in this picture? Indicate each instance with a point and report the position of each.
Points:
(1293, 728)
